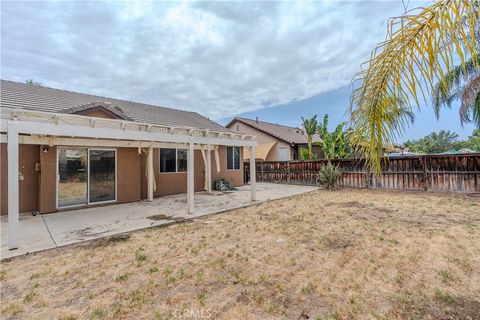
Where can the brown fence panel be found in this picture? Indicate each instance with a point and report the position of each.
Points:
(447, 173)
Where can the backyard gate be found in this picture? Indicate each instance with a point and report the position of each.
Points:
(446, 173)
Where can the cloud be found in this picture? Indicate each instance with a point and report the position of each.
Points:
(216, 58)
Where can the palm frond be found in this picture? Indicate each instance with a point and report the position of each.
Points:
(446, 90)
(468, 100)
(420, 48)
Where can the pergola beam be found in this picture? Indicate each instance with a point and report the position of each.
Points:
(13, 195)
(150, 174)
(190, 178)
(208, 169)
(78, 126)
(253, 176)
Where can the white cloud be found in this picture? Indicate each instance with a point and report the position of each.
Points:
(216, 58)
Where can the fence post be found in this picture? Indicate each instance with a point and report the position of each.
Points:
(425, 186)
(261, 167)
(288, 172)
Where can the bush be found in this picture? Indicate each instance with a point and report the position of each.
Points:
(329, 175)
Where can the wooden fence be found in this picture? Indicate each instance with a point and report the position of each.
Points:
(446, 173)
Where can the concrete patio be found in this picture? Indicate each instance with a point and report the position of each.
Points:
(67, 227)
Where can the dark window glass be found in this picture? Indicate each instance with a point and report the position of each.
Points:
(167, 160)
(102, 175)
(181, 160)
(72, 172)
(236, 158)
(229, 158)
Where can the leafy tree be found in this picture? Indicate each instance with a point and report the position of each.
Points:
(434, 142)
(33, 82)
(304, 154)
(421, 47)
(309, 129)
(473, 141)
(334, 144)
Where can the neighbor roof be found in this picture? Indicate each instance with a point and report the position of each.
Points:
(23, 96)
(290, 135)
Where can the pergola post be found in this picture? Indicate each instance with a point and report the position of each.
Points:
(190, 178)
(13, 197)
(209, 169)
(150, 174)
(252, 174)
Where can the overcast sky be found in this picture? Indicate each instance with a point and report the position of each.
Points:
(217, 58)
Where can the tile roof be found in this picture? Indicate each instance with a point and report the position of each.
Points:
(290, 135)
(17, 95)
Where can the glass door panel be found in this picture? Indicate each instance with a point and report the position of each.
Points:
(102, 175)
(72, 177)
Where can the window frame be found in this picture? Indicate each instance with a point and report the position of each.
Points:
(176, 161)
(233, 158)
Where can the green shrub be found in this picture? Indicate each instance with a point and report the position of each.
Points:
(329, 175)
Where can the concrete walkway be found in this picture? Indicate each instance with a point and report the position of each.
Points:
(62, 228)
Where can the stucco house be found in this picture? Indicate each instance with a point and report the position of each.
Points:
(275, 142)
(63, 150)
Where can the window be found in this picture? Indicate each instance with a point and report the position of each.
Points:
(173, 160)
(233, 158)
(282, 154)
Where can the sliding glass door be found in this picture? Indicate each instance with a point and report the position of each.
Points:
(86, 176)
(72, 177)
(101, 175)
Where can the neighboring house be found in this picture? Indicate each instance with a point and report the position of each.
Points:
(71, 149)
(275, 142)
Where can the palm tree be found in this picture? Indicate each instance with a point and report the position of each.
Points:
(309, 129)
(421, 47)
(462, 82)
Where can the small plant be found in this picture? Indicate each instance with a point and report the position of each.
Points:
(97, 314)
(201, 297)
(444, 296)
(445, 275)
(333, 316)
(29, 296)
(308, 289)
(2, 275)
(140, 256)
(169, 276)
(122, 278)
(153, 269)
(329, 175)
(471, 227)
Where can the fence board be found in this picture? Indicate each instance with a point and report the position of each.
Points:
(445, 173)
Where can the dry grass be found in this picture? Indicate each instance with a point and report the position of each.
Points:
(323, 255)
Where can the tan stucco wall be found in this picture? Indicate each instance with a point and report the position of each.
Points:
(48, 180)
(262, 138)
(38, 189)
(171, 183)
(28, 186)
(128, 175)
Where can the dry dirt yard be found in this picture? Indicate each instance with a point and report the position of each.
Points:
(348, 254)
